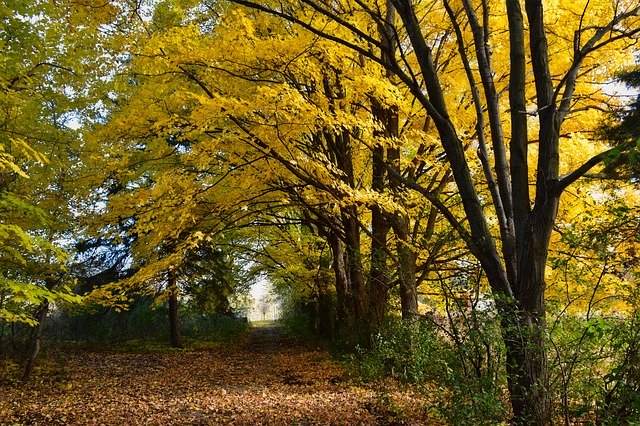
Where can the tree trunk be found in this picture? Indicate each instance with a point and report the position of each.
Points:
(343, 285)
(524, 325)
(406, 269)
(527, 371)
(358, 301)
(37, 338)
(378, 285)
(174, 320)
(326, 325)
(378, 272)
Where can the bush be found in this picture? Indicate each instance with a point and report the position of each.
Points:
(621, 397)
(217, 328)
(595, 369)
(460, 364)
(298, 319)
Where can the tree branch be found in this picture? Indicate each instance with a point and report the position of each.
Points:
(568, 179)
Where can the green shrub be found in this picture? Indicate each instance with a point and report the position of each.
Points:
(595, 369)
(213, 328)
(297, 319)
(463, 360)
(621, 396)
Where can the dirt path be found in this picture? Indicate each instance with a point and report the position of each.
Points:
(264, 380)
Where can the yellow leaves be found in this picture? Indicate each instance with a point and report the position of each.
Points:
(236, 25)
(167, 14)
(577, 149)
(378, 87)
(10, 317)
(161, 48)
(246, 382)
(219, 116)
(114, 295)
(18, 148)
(243, 24)
(21, 293)
(369, 198)
(96, 11)
(7, 164)
(593, 252)
(573, 23)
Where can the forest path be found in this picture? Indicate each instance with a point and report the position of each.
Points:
(263, 379)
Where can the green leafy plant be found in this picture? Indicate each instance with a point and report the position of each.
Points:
(469, 383)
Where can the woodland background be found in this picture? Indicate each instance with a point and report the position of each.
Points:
(445, 190)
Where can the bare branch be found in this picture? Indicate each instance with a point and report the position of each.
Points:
(581, 171)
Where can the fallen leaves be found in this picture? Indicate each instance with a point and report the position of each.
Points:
(267, 380)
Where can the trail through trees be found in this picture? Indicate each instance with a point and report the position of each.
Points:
(264, 379)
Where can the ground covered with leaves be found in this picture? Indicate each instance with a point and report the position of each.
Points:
(262, 379)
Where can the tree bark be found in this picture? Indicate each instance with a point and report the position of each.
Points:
(343, 287)
(41, 316)
(359, 299)
(325, 317)
(379, 270)
(527, 370)
(174, 319)
(406, 268)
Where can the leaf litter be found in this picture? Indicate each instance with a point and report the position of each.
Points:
(266, 379)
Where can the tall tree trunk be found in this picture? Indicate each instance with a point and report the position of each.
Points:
(406, 268)
(523, 331)
(378, 272)
(524, 327)
(325, 315)
(359, 299)
(174, 319)
(41, 316)
(343, 287)
(527, 370)
(406, 265)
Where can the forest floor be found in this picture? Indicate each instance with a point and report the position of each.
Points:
(262, 379)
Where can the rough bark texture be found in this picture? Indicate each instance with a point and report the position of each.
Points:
(527, 371)
(41, 316)
(406, 268)
(342, 280)
(174, 319)
(353, 262)
(325, 317)
(378, 272)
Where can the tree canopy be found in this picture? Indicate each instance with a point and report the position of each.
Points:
(369, 158)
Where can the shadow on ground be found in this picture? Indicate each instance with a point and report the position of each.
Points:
(263, 379)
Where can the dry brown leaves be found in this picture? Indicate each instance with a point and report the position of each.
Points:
(266, 380)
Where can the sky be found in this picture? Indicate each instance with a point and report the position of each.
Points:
(259, 289)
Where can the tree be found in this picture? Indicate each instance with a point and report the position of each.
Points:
(623, 129)
(281, 130)
(299, 115)
(544, 89)
(166, 189)
(39, 81)
(24, 96)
